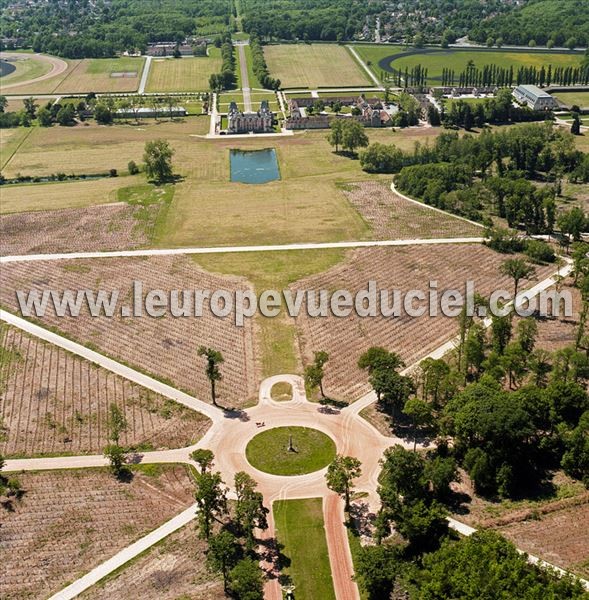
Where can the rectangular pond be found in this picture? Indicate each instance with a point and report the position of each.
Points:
(254, 166)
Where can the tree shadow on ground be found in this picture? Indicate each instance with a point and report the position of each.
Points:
(271, 553)
(235, 413)
(361, 518)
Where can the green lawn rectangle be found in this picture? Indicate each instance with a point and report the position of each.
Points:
(301, 531)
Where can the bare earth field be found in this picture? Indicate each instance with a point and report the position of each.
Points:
(314, 65)
(392, 217)
(112, 227)
(166, 346)
(54, 402)
(558, 537)
(171, 570)
(67, 522)
(404, 269)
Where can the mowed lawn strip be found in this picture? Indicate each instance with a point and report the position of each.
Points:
(268, 451)
(457, 59)
(69, 194)
(186, 74)
(96, 75)
(580, 98)
(313, 66)
(300, 529)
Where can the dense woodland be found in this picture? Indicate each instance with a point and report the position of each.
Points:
(538, 22)
(103, 28)
(514, 174)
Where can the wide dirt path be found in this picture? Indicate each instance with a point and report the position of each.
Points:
(58, 66)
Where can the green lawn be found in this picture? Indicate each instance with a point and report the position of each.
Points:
(268, 451)
(301, 531)
(27, 68)
(437, 59)
(281, 391)
(579, 98)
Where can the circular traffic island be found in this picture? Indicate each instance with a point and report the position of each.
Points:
(290, 451)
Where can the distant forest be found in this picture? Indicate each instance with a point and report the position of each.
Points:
(103, 28)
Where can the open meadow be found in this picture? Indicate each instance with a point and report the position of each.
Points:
(314, 65)
(67, 522)
(186, 74)
(579, 98)
(391, 59)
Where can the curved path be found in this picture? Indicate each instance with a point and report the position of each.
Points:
(58, 66)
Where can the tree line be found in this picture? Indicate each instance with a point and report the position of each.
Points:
(226, 79)
(259, 65)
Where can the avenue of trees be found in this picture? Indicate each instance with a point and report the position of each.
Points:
(226, 79)
(259, 65)
(229, 528)
(491, 174)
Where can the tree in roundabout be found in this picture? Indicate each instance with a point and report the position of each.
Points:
(290, 450)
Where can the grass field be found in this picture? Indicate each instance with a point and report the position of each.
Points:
(27, 67)
(47, 86)
(300, 529)
(95, 75)
(437, 59)
(185, 74)
(314, 65)
(70, 194)
(580, 98)
(268, 451)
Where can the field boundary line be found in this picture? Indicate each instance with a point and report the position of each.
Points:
(435, 208)
(25, 138)
(126, 554)
(240, 249)
(366, 68)
(67, 76)
(114, 366)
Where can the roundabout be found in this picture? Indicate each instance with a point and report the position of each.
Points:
(290, 451)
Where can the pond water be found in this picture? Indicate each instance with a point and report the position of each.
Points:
(256, 166)
(6, 68)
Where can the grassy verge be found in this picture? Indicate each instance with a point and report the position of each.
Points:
(300, 529)
(274, 271)
(281, 392)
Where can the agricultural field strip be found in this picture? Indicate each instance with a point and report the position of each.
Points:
(125, 555)
(112, 365)
(167, 528)
(236, 249)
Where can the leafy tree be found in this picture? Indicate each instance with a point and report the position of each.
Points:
(576, 125)
(250, 510)
(575, 460)
(314, 372)
(211, 499)
(377, 568)
(223, 554)
(132, 168)
(3, 103)
(65, 116)
(117, 423)
(103, 114)
(203, 458)
(158, 160)
(336, 134)
(454, 571)
(377, 358)
(353, 136)
(420, 413)
(341, 474)
(117, 457)
(214, 358)
(421, 523)
(30, 107)
(246, 580)
(518, 270)
(44, 117)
